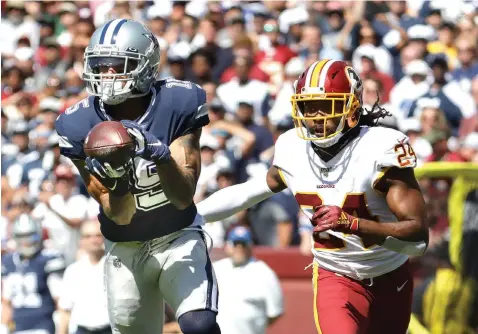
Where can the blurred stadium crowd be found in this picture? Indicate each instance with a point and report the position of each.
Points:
(420, 57)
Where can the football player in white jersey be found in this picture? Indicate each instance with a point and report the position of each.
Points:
(355, 182)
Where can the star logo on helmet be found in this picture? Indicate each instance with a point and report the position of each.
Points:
(151, 38)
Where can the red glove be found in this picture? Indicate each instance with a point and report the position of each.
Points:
(331, 217)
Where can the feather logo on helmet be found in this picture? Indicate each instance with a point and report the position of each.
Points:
(353, 78)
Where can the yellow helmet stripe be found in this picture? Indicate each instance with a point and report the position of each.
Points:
(314, 80)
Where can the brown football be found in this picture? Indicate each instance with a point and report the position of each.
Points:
(109, 142)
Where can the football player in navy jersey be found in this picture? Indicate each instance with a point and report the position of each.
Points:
(31, 277)
(155, 246)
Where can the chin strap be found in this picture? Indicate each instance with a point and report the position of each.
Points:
(327, 153)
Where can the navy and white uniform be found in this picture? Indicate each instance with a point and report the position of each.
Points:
(31, 286)
(175, 111)
(160, 239)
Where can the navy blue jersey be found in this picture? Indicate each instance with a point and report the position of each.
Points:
(25, 286)
(176, 109)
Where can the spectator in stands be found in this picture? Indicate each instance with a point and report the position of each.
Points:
(281, 107)
(413, 129)
(24, 155)
(398, 12)
(177, 67)
(335, 22)
(291, 23)
(54, 65)
(311, 47)
(223, 57)
(445, 43)
(381, 57)
(235, 26)
(467, 56)
(210, 89)
(244, 88)
(452, 100)
(414, 50)
(467, 151)
(263, 149)
(62, 211)
(13, 80)
(209, 166)
(439, 140)
(272, 223)
(201, 64)
(273, 57)
(15, 25)
(370, 70)
(413, 85)
(69, 17)
(243, 47)
(251, 296)
(260, 15)
(432, 117)
(234, 143)
(34, 172)
(470, 124)
(82, 301)
(18, 202)
(31, 277)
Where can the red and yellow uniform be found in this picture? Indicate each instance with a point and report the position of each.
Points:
(359, 287)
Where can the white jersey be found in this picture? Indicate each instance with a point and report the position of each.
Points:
(347, 181)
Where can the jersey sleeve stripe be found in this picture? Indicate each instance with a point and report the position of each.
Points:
(64, 142)
(281, 174)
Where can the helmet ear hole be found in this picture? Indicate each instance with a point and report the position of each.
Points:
(354, 118)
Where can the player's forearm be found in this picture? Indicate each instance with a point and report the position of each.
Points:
(231, 200)
(118, 209)
(179, 183)
(408, 237)
(412, 230)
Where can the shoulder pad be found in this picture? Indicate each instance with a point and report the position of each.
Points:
(189, 101)
(54, 261)
(50, 252)
(393, 149)
(72, 127)
(7, 261)
(282, 150)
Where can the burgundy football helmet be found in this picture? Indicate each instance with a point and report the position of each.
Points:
(331, 80)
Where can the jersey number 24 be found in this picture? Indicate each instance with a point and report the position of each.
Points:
(354, 204)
